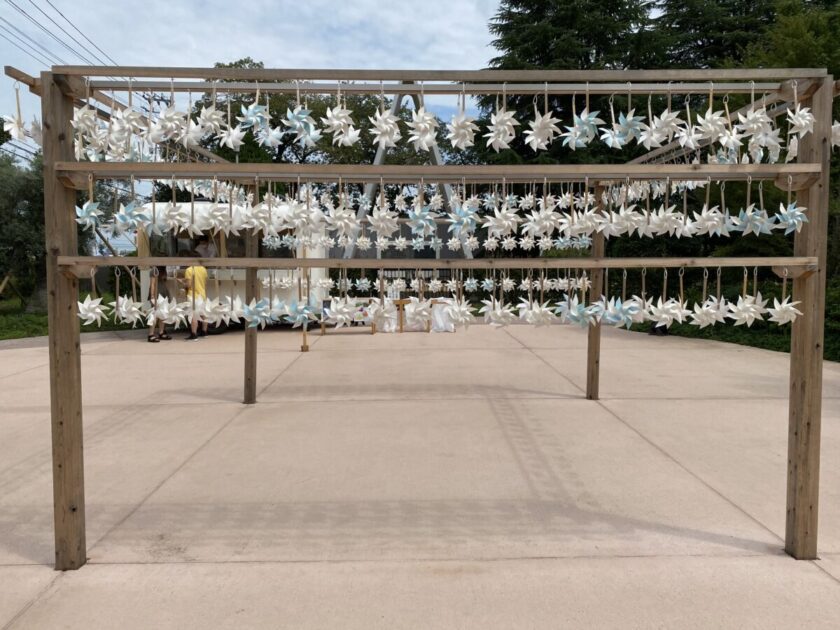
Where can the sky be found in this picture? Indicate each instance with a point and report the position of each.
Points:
(397, 34)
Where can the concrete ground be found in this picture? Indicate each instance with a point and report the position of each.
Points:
(417, 481)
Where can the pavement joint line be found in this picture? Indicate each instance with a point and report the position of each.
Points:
(447, 560)
(666, 454)
(188, 459)
(690, 472)
(824, 570)
(159, 485)
(31, 602)
(29, 369)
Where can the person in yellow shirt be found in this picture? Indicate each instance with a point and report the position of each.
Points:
(195, 281)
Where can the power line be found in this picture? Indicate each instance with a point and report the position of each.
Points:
(47, 31)
(48, 53)
(107, 56)
(16, 156)
(62, 29)
(17, 144)
(41, 61)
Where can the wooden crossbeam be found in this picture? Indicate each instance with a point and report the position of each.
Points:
(75, 174)
(80, 266)
(290, 74)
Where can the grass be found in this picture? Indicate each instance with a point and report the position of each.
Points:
(16, 324)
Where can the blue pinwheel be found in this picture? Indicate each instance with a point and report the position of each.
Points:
(791, 218)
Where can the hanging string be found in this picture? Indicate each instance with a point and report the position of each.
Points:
(705, 283)
(664, 284)
(719, 272)
(755, 281)
(784, 284)
(623, 285)
(116, 292)
(681, 273)
(744, 288)
(644, 291)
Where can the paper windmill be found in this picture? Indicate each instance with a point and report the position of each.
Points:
(299, 314)
(459, 312)
(423, 129)
(383, 222)
(461, 219)
(363, 285)
(255, 115)
(801, 120)
(91, 311)
(341, 311)
(667, 312)
(502, 223)
(571, 310)
(536, 314)
(461, 131)
(791, 217)
(501, 131)
(712, 311)
(542, 130)
(339, 123)
(127, 311)
(232, 137)
(257, 313)
(712, 125)
(421, 220)
(618, 313)
(300, 122)
(88, 215)
(751, 220)
(211, 119)
(783, 312)
(418, 312)
(497, 314)
(385, 129)
(130, 217)
(14, 126)
(748, 309)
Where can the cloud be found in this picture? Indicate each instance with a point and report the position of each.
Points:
(432, 34)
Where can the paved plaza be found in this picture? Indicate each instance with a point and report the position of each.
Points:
(417, 481)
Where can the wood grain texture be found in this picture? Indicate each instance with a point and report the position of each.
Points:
(65, 360)
(806, 351)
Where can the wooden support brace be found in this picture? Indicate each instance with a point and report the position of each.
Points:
(593, 342)
(65, 359)
(251, 290)
(806, 347)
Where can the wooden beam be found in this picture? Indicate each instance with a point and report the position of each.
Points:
(251, 293)
(806, 346)
(291, 74)
(77, 172)
(65, 361)
(377, 87)
(593, 340)
(82, 263)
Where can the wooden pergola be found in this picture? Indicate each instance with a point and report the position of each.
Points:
(64, 87)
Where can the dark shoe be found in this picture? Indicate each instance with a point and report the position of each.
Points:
(153, 339)
(192, 337)
(202, 333)
(165, 336)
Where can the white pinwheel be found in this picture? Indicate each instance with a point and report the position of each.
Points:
(501, 130)
(783, 312)
(497, 314)
(423, 129)
(747, 309)
(617, 312)
(536, 313)
(712, 311)
(418, 312)
(542, 130)
(212, 119)
(461, 131)
(92, 310)
(232, 137)
(383, 314)
(88, 215)
(712, 125)
(502, 223)
(459, 312)
(341, 311)
(300, 122)
(666, 312)
(127, 311)
(339, 123)
(801, 120)
(383, 221)
(385, 129)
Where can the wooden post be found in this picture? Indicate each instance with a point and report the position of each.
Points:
(251, 288)
(65, 359)
(806, 346)
(593, 340)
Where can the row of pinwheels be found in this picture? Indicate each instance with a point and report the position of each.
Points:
(572, 309)
(750, 137)
(545, 222)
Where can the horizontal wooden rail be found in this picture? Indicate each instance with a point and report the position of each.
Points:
(75, 174)
(284, 74)
(81, 266)
(309, 87)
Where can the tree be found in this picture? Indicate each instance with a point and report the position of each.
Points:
(709, 33)
(22, 247)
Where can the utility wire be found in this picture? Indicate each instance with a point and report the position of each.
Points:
(47, 31)
(21, 48)
(63, 30)
(107, 56)
(48, 53)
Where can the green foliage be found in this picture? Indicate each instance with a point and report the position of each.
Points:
(22, 217)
